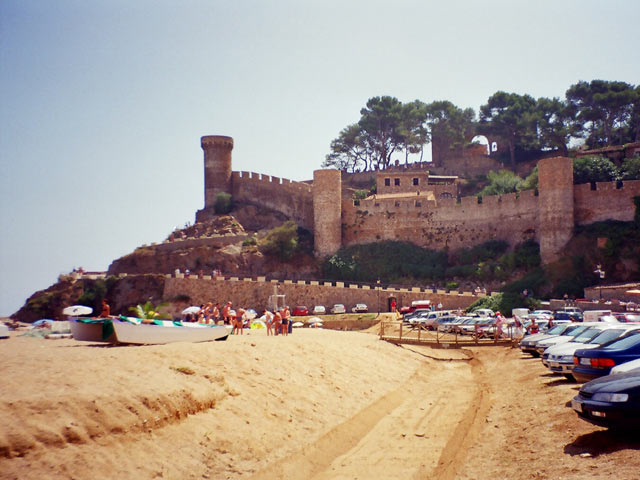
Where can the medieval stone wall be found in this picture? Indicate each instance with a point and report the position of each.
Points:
(606, 202)
(294, 199)
(254, 293)
(450, 224)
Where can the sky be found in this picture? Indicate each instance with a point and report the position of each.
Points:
(103, 102)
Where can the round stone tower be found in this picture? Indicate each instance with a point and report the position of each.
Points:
(555, 206)
(217, 166)
(327, 212)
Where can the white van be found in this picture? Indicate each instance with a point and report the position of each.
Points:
(594, 315)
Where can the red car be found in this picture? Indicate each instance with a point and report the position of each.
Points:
(300, 310)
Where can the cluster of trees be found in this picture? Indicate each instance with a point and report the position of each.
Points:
(600, 112)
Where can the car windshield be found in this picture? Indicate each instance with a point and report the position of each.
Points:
(607, 335)
(574, 332)
(587, 335)
(556, 330)
(625, 342)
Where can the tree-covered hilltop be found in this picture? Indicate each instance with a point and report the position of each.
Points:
(601, 113)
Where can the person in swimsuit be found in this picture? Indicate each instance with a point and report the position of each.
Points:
(106, 309)
(226, 313)
(238, 325)
(268, 320)
(285, 321)
(277, 322)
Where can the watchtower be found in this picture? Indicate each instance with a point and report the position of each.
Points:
(217, 166)
(327, 212)
(555, 206)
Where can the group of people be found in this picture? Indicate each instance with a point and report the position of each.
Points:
(278, 322)
(211, 313)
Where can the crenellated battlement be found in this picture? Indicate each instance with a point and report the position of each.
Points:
(605, 201)
(243, 177)
(292, 198)
(421, 209)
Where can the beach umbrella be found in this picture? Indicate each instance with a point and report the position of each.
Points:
(77, 310)
(298, 324)
(257, 324)
(314, 320)
(251, 314)
(191, 310)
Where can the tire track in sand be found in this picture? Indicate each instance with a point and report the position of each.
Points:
(468, 429)
(402, 435)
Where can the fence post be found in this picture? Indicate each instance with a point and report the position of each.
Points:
(400, 331)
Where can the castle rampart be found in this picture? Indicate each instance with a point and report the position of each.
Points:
(433, 217)
(609, 201)
(254, 293)
(294, 199)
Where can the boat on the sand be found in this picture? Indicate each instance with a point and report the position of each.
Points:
(92, 329)
(133, 330)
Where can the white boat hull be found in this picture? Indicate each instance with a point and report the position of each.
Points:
(168, 332)
(90, 332)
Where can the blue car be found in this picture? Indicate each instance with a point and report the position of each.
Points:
(597, 362)
(612, 401)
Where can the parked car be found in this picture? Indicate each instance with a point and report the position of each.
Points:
(338, 308)
(559, 358)
(597, 362)
(360, 308)
(416, 313)
(568, 316)
(567, 336)
(300, 310)
(484, 312)
(626, 367)
(528, 343)
(611, 401)
(627, 317)
(319, 310)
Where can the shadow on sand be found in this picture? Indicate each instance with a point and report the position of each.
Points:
(602, 442)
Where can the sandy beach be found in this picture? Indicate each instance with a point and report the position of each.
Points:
(318, 404)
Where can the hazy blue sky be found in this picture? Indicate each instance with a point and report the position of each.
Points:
(104, 101)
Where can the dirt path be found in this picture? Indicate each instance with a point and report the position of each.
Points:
(416, 431)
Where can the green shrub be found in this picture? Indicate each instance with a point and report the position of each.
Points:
(281, 242)
(452, 285)
(250, 241)
(223, 203)
(592, 168)
(630, 169)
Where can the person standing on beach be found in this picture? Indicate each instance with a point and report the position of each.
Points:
(226, 317)
(268, 320)
(277, 322)
(238, 325)
(286, 320)
(215, 313)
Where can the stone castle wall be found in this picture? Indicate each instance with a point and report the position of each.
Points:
(328, 210)
(293, 199)
(254, 293)
(450, 224)
(606, 202)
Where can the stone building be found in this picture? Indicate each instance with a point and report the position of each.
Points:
(413, 206)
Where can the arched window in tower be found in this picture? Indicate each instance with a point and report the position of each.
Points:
(481, 140)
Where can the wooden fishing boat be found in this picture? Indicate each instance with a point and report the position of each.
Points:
(92, 329)
(133, 330)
